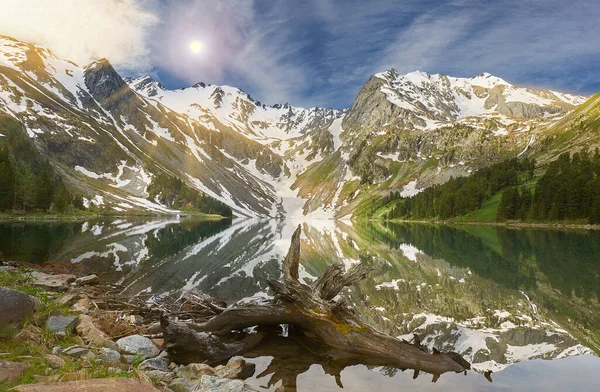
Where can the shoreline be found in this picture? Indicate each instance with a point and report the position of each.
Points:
(499, 224)
(78, 218)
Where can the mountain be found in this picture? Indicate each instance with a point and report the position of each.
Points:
(110, 137)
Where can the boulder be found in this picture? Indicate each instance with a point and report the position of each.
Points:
(236, 369)
(11, 371)
(93, 385)
(159, 376)
(55, 361)
(16, 307)
(138, 345)
(194, 371)
(157, 363)
(109, 355)
(61, 325)
(57, 350)
(217, 384)
(181, 385)
(76, 351)
(52, 282)
(90, 280)
(91, 334)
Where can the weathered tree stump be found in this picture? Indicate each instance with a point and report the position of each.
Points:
(314, 311)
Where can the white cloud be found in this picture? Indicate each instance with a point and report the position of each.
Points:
(82, 30)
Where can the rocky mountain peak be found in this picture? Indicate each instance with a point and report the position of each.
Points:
(103, 81)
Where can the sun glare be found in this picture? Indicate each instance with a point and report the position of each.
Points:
(196, 46)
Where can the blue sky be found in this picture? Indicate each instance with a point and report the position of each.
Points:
(320, 52)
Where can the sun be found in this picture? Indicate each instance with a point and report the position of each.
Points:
(196, 46)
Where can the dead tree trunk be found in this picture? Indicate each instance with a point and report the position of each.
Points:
(313, 310)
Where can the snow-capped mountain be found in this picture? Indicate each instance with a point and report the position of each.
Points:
(234, 108)
(110, 137)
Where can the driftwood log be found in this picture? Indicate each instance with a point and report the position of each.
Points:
(311, 310)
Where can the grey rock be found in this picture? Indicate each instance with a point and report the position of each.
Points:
(236, 369)
(181, 385)
(57, 350)
(16, 307)
(157, 363)
(138, 345)
(129, 358)
(76, 351)
(52, 282)
(55, 361)
(90, 280)
(217, 384)
(109, 355)
(61, 325)
(159, 376)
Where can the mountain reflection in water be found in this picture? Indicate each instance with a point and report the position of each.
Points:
(497, 296)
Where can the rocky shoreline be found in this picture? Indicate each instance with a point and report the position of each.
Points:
(60, 332)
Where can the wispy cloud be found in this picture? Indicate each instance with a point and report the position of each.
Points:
(83, 31)
(320, 52)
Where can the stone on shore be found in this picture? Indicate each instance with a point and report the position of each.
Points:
(157, 363)
(76, 351)
(109, 355)
(194, 371)
(236, 369)
(138, 345)
(217, 384)
(52, 282)
(61, 325)
(11, 371)
(55, 361)
(92, 334)
(90, 280)
(16, 307)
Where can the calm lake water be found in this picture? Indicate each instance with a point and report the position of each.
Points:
(522, 303)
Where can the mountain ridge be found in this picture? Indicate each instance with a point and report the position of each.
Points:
(110, 135)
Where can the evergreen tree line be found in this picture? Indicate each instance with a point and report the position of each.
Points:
(174, 193)
(569, 190)
(461, 195)
(24, 190)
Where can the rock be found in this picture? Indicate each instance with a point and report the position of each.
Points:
(159, 376)
(217, 384)
(55, 361)
(194, 371)
(93, 385)
(57, 350)
(181, 385)
(69, 299)
(83, 305)
(61, 325)
(157, 363)
(236, 369)
(109, 355)
(91, 334)
(16, 307)
(11, 371)
(52, 282)
(76, 351)
(90, 280)
(138, 345)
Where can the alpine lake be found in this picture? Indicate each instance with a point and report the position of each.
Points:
(522, 303)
